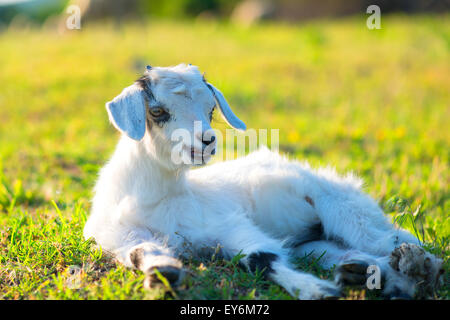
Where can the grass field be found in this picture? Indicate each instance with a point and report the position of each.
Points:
(373, 102)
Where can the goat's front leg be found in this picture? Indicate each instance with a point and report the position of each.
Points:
(147, 254)
(147, 257)
(267, 255)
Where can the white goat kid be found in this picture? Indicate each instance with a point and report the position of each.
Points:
(147, 207)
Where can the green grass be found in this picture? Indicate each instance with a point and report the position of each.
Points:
(372, 102)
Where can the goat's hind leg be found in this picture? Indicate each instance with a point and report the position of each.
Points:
(351, 266)
(266, 254)
(306, 197)
(349, 215)
(407, 272)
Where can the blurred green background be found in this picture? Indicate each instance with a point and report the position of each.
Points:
(375, 102)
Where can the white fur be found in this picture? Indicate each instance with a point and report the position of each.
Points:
(259, 203)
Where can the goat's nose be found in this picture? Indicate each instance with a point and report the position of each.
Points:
(208, 141)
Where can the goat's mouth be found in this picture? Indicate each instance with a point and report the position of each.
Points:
(197, 156)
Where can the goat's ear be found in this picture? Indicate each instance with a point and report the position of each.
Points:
(127, 112)
(225, 109)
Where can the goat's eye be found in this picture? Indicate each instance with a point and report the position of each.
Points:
(157, 112)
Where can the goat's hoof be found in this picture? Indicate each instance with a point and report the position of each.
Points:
(355, 266)
(351, 272)
(424, 268)
(171, 273)
(414, 261)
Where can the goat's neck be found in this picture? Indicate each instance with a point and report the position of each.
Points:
(146, 176)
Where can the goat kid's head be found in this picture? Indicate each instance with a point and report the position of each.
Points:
(169, 110)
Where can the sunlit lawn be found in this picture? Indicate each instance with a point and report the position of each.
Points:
(373, 102)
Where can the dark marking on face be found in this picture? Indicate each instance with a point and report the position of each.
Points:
(145, 83)
(261, 261)
(159, 120)
(309, 200)
(137, 257)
